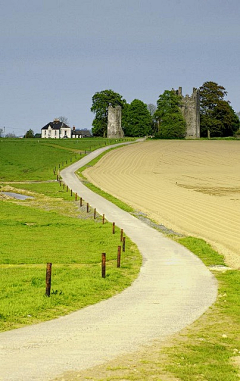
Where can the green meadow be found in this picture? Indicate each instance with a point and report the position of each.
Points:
(35, 159)
(52, 227)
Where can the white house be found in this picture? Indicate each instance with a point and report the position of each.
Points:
(56, 130)
(76, 134)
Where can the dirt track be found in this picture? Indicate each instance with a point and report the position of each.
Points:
(192, 187)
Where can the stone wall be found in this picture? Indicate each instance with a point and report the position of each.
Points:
(191, 111)
(114, 127)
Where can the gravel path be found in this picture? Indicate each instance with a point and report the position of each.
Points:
(173, 289)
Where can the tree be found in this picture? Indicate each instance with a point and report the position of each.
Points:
(10, 135)
(151, 108)
(217, 118)
(137, 120)
(1, 132)
(100, 102)
(29, 134)
(63, 119)
(227, 119)
(170, 121)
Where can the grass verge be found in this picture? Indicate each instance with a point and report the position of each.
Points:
(52, 229)
(35, 159)
(207, 350)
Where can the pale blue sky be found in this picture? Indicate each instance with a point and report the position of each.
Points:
(55, 54)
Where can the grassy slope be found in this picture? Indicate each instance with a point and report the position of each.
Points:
(207, 350)
(35, 159)
(52, 228)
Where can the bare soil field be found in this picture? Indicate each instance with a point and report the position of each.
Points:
(191, 187)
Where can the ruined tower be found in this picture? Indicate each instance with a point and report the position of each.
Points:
(114, 127)
(191, 111)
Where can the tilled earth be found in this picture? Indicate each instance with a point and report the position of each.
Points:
(190, 187)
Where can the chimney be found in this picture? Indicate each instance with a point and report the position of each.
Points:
(74, 128)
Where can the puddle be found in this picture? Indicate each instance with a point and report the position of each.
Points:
(16, 195)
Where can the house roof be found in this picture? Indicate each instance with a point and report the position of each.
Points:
(81, 132)
(55, 125)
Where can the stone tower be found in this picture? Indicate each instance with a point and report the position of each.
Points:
(191, 111)
(114, 127)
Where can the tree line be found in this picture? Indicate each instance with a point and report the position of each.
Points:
(165, 120)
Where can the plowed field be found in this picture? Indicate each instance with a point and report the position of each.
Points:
(191, 187)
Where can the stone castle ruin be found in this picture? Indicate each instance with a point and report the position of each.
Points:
(190, 108)
(114, 127)
(191, 112)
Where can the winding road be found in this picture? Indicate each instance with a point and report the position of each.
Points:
(172, 290)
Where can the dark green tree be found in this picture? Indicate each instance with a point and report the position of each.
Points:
(170, 121)
(217, 117)
(29, 134)
(137, 120)
(100, 102)
(227, 118)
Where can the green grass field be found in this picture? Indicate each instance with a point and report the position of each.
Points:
(52, 227)
(39, 230)
(35, 159)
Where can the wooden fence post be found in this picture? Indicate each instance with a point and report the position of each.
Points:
(87, 207)
(103, 265)
(48, 278)
(94, 213)
(113, 227)
(121, 235)
(103, 218)
(75, 196)
(123, 245)
(119, 256)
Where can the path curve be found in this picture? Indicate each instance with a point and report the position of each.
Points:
(173, 289)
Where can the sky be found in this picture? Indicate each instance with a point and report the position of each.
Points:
(56, 54)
